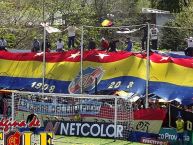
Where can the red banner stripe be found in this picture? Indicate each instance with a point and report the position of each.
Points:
(93, 56)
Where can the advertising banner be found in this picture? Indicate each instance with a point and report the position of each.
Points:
(86, 129)
(170, 135)
(145, 120)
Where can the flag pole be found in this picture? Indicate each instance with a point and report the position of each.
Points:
(44, 49)
(44, 60)
(149, 10)
(147, 66)
(81, 60)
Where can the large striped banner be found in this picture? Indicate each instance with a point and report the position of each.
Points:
(170, 77)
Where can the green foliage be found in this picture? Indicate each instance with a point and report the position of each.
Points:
(16, 15)
(136, 47)
(174, 38)
(174, 6)
(10, 39)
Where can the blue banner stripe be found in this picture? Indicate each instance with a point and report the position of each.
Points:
(128, 83)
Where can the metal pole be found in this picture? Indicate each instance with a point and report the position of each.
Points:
(96, 89)
(147, 67)
(169, 109)
(44, 49)
(43, 10)
(44, 60)
(115, 119)
(81, 60)
(12, 109)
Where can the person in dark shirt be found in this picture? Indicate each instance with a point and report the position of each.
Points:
(144, 39)
(129, 45)
(35, 45)
(91, 44)
(145, 33)
(113, 45)
(30, 118)
(189, 51)
(47, 44)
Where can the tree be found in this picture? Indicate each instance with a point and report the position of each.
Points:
(14, 20)
(20, 19)
(174, 6)
(173, 38)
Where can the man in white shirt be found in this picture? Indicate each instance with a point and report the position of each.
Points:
(154, 37)
(3, 44)
(189, 50)
(190, 42)
(59, 45)
(71, 35)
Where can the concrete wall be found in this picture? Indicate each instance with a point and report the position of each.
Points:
(161, 19)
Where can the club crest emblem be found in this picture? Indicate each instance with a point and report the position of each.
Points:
(88, 80)
(13, 138)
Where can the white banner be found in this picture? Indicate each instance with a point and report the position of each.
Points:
(82, 107)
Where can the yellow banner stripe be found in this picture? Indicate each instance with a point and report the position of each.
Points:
(131, 66)
(33, 69)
